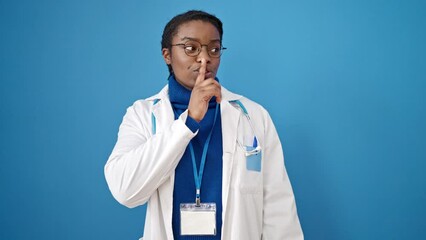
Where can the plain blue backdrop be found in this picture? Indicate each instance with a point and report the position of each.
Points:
(344, 82)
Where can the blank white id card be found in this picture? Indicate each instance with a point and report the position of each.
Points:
(199, 220)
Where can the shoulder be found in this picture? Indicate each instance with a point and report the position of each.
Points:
(253, 108)
(147, 103)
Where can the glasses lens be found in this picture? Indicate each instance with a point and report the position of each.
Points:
(192, 48)
(215, 49)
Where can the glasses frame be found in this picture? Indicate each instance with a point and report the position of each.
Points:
(200, 49)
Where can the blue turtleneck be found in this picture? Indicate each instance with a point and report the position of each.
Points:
(211, 186)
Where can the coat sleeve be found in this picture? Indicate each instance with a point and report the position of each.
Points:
(140, 162)
(280, 220)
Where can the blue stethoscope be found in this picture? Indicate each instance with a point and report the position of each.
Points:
(248, 150)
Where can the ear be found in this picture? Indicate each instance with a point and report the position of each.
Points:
(166, 55)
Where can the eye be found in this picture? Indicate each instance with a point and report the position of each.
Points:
(215, 51)
(191, 48)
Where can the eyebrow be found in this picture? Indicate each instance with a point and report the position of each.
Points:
(196, 39)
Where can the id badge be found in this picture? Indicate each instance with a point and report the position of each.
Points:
(198, 220)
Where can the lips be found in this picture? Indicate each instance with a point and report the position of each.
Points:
(209, 74)
(198, 69)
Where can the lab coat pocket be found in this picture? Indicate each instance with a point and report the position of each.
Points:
(253, 158)
(249, 176)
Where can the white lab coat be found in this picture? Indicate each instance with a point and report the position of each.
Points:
(256, 204)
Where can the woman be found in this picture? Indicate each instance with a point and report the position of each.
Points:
(208, 162)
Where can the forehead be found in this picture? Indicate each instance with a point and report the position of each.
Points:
(198, 30)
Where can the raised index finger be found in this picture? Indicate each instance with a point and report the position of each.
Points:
(201, 71)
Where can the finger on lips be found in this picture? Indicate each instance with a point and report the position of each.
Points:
(210, 85)
(202, 70)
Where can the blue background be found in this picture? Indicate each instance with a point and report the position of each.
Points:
(344, 82)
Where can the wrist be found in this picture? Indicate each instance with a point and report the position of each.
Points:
(191, 115)
(192, 124)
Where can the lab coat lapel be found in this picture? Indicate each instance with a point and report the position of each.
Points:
(230, 118)
(164, 116)
(162, 110)
(163, 113)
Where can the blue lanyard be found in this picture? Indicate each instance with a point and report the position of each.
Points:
(198, 176)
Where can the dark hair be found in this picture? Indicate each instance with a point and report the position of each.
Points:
(172, 26)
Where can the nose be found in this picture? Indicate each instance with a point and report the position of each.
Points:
(203, 54)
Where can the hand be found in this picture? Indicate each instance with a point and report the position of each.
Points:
(203, 91)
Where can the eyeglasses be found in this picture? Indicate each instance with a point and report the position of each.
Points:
(193, 48)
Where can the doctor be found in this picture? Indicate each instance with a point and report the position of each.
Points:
(208, 161)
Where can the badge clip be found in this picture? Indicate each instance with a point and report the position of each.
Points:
(197, 198)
